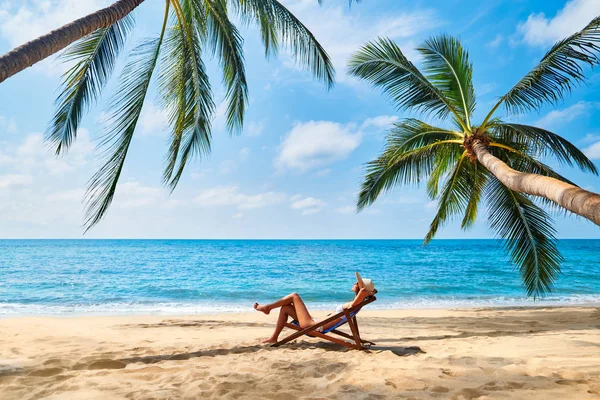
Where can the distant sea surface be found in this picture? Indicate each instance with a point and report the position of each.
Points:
(77, 277)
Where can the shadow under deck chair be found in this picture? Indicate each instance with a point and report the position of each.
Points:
(350, 319)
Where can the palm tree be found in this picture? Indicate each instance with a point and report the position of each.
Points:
(38, 49)
(496, 160)
(190, 30)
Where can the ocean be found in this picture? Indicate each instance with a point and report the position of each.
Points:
(106, 277)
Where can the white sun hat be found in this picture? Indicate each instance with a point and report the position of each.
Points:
(365, 283)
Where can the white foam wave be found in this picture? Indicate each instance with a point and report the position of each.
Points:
(176, 308)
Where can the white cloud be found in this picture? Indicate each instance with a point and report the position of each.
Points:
(342, 32)
(153, 119)
(72, 195)
(244, 153)
(496, 41)
(7, 125)
(316, 143)
(255, 129)
(559, 117)
(227, 166)
(11, 180)
(346, 210)
(431, 205)
(134, 194)
(380, 122)
(576, 14)
(220, 120)
(485, 88)
(231, 196)
(34, 155)
(323, 172)
(593, 151)
(307, 205)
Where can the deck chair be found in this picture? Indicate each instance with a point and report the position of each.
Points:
(350, 314)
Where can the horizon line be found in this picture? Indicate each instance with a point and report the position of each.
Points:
(266, 239)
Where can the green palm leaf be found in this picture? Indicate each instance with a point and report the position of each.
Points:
(304, 46)
(126, 109)
(226, 43)
(278, 26)
(382, 63)
(558, 72)
(186, 94)
(446, 65)
(527, 234)
(461, 193)
(263, 13)
(95, 56)
(480, 178)
(410, 153)
(544, 143)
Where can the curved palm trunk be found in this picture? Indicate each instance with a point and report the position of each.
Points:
(573, 198)
(36, 50)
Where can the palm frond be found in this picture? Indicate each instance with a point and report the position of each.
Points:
(481, 176)
(544, 143)
(126, 107)
(185, 91)
(186, 94)
(408, 157)
(382, 63)
(527, 234)
(559, 71)
(227, 44)
(279, 26)
(411, 134)
(461, 193)
(306, 50)
(446, 65)
(262, 13)
(94, 56)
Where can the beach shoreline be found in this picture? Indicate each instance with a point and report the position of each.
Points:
(515, 352)
(319, 310)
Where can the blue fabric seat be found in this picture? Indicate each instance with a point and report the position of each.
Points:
(342, 322)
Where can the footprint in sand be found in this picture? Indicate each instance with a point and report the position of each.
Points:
(45, 372)
(106, 364)
(570, 382)
(448, 372)
(468, 394)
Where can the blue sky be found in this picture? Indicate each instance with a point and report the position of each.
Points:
(295, 170)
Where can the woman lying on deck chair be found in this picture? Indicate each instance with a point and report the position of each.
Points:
(293, 306)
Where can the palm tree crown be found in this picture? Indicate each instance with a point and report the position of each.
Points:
(190, 30)
(444, 158)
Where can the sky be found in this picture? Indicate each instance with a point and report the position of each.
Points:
(295, 170)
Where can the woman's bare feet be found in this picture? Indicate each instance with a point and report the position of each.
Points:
(264, 309)
(270, 340)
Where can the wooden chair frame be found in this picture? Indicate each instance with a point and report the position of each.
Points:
(350, 314)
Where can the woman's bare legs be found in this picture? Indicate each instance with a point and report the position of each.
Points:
(293, 299)
(284, 312)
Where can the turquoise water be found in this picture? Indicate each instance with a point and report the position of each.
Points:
(72, 277)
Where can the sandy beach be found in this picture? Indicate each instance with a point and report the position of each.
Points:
(518, 353)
